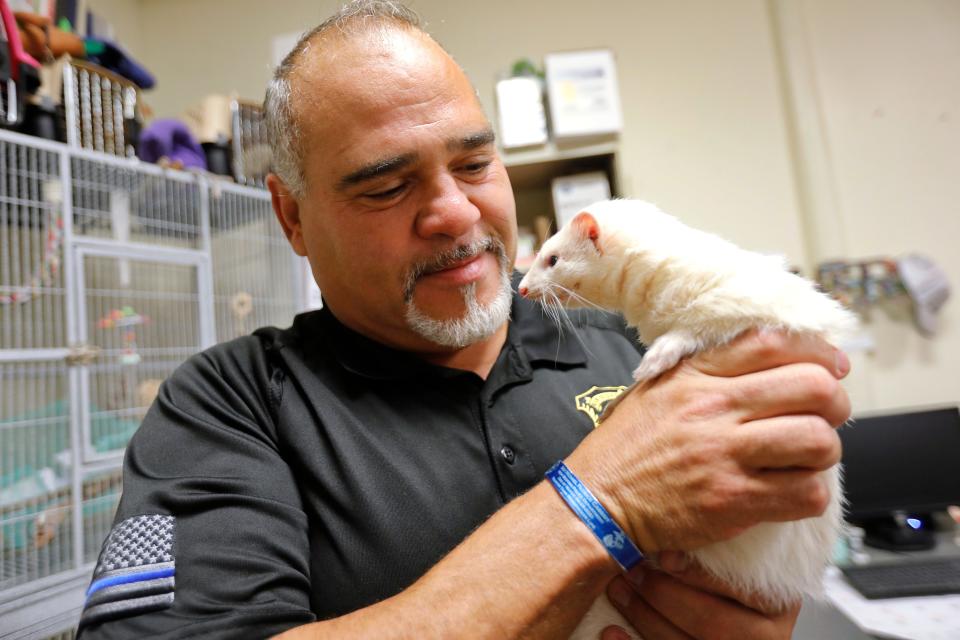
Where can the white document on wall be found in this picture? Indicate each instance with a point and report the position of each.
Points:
(583, 93)
(523, 121)
(572, 194)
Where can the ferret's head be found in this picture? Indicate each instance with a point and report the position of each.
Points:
(569, 268)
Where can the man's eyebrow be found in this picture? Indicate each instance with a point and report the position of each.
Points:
(472, 141)
(375, 170)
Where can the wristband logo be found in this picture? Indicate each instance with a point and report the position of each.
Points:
(615, 540)
(595, 399)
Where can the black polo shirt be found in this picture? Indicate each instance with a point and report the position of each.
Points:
(304, 473)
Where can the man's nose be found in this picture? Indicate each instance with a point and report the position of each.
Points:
(446, 210)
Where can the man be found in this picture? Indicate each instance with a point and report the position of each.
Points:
(378, 466)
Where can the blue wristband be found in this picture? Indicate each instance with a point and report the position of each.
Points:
(592, 513)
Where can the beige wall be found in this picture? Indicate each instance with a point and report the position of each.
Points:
(124, 16)
(888, 79)
(704, 135)
(709, 123)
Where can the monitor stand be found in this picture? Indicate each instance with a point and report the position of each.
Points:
(900, 532)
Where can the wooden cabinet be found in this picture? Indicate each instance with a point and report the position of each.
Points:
(531, 173)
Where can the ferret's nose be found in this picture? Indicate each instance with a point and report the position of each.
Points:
(524, 291)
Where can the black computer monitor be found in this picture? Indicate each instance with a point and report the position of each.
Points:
(901, 463)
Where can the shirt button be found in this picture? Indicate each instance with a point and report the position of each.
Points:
(508, 453)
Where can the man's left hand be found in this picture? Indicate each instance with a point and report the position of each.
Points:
(681, 601)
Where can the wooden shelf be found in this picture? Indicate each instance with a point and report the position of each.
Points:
(552, 152)
(532, 170)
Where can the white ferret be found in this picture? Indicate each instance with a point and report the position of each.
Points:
(684, 291)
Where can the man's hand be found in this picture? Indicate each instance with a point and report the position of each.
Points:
(683, 602)
(728, 439)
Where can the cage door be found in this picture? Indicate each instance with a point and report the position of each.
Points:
(141, 312)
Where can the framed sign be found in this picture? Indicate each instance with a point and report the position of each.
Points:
(523, 121)
(572, 194)
(583, 93)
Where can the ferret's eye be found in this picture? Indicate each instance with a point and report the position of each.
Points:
(552, 261)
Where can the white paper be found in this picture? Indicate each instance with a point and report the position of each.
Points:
(926, 618)
(583, 92)
(523, 121)
(571, 194)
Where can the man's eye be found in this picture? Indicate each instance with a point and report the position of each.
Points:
(552, 260)
(386, 195)
(476, 167)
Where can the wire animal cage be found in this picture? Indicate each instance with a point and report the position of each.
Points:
(112, 272)
(251, 149)
(233, 134)
(101, 109)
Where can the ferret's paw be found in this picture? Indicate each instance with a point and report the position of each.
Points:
(646, 371)
(663, 355)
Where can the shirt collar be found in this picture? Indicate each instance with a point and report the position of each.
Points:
(541, 339)
(531, 338)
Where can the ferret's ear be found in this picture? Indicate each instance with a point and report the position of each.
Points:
(586, 227)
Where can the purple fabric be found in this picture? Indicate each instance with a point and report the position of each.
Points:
(171, 138)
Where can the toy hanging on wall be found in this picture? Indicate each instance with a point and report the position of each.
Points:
(125, 318)
(48, 269)
(241, 304)
(860, 285)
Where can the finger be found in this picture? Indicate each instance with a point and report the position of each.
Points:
(806, 441)
(757, 350)
(700, 613)
(800, 388)
(742, 500)
(614, 633)
(648, 622)
(783, 495)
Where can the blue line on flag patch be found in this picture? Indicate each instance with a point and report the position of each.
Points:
(135, 571)
(150, 573)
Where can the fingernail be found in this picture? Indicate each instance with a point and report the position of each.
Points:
(674, 561)
(620, 593)
(635, 576)
(615, 633)
(843, 363)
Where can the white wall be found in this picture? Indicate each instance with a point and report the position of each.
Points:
(888, 79)
(708, 121)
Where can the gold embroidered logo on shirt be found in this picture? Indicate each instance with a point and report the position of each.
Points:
(595, 399)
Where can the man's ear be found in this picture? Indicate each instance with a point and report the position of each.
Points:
(287, 209)
(586, 227)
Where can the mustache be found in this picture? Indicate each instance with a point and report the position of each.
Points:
(446, 259)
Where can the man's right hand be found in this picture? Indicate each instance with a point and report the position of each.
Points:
(729, 438)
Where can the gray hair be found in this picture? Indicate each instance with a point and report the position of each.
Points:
(283, 129)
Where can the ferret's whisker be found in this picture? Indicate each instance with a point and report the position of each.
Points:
(579, 298)
(576, 296)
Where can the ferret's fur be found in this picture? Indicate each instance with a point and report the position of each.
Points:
(684, 291)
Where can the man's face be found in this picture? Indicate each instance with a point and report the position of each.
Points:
(406, 199)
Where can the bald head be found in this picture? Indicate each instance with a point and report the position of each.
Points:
(324, 68)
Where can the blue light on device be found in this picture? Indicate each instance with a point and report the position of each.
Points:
(914, 523)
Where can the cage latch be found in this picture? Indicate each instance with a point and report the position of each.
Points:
(81, 354)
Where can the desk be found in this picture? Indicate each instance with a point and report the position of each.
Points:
(823, 621)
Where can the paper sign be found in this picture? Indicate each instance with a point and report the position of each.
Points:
(523, 121)
(572, 194)
(583, 92)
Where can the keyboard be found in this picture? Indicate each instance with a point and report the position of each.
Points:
(928, 577)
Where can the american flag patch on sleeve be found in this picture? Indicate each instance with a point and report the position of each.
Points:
(135, 573)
